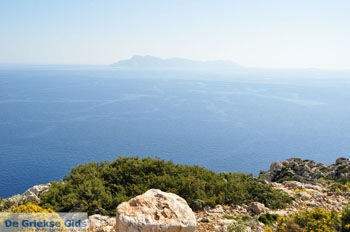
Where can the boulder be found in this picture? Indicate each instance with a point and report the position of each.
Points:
(99, 223)
(98, 220)
(38, 189)
(276, 166)
(258, 208)
(16, 199)
(34, 192)
(30, 196)
(155, 211)
(341, 160)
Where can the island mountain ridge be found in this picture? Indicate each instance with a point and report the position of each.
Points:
(152, 62)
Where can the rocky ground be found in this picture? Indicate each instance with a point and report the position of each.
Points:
(299, 179)
(305, 196)
(307, 171)
(309, 184)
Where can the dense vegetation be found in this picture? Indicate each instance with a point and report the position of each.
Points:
(31, 208)
(268, 219)
(317, 220)
(100, 187)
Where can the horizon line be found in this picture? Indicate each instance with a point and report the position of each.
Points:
(166, 58)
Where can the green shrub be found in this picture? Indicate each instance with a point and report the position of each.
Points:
(238, 226)
(268, 219)
(100, 187)
(344, 180)
(246, 218)
(7, 204)
(345, 219)
(228, 217)
(273, 199)
(288, 225)
(316, 220)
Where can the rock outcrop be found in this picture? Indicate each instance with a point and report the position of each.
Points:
(305, 196)
(307, 170)
(31, 194)
(258, 208)
(155, 211)
(34, 192)
(99, 223)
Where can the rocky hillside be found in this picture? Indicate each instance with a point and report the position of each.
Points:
(309, 185)
(305, 186)
(306, 196)
(308, 171)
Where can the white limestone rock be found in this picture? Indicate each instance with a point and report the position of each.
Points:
(34, 192)
(100, 223)
(155, 211)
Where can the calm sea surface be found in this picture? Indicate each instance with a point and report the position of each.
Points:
(53, 119)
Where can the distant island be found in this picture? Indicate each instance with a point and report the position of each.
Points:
(151, 62)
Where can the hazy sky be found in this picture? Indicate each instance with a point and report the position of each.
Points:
(260, 33)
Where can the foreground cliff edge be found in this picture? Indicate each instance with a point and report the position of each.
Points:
(294, 195)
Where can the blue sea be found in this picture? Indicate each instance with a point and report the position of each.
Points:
(53, 118)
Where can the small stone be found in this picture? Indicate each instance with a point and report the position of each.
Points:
(258, 208)
(205, 220)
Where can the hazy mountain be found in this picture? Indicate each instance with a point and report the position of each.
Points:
(151, 62)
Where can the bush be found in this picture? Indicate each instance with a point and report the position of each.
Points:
(244, 224)
(238, 226)
(101, 187)
(317, 220)
(274, 199)
(268, 219)
(2, 204)
(288, 225)
(39, 214)
(345, 219)
(31, 208)
(8, 204)
(228, 217)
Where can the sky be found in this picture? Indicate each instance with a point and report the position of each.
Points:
(253, 33)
